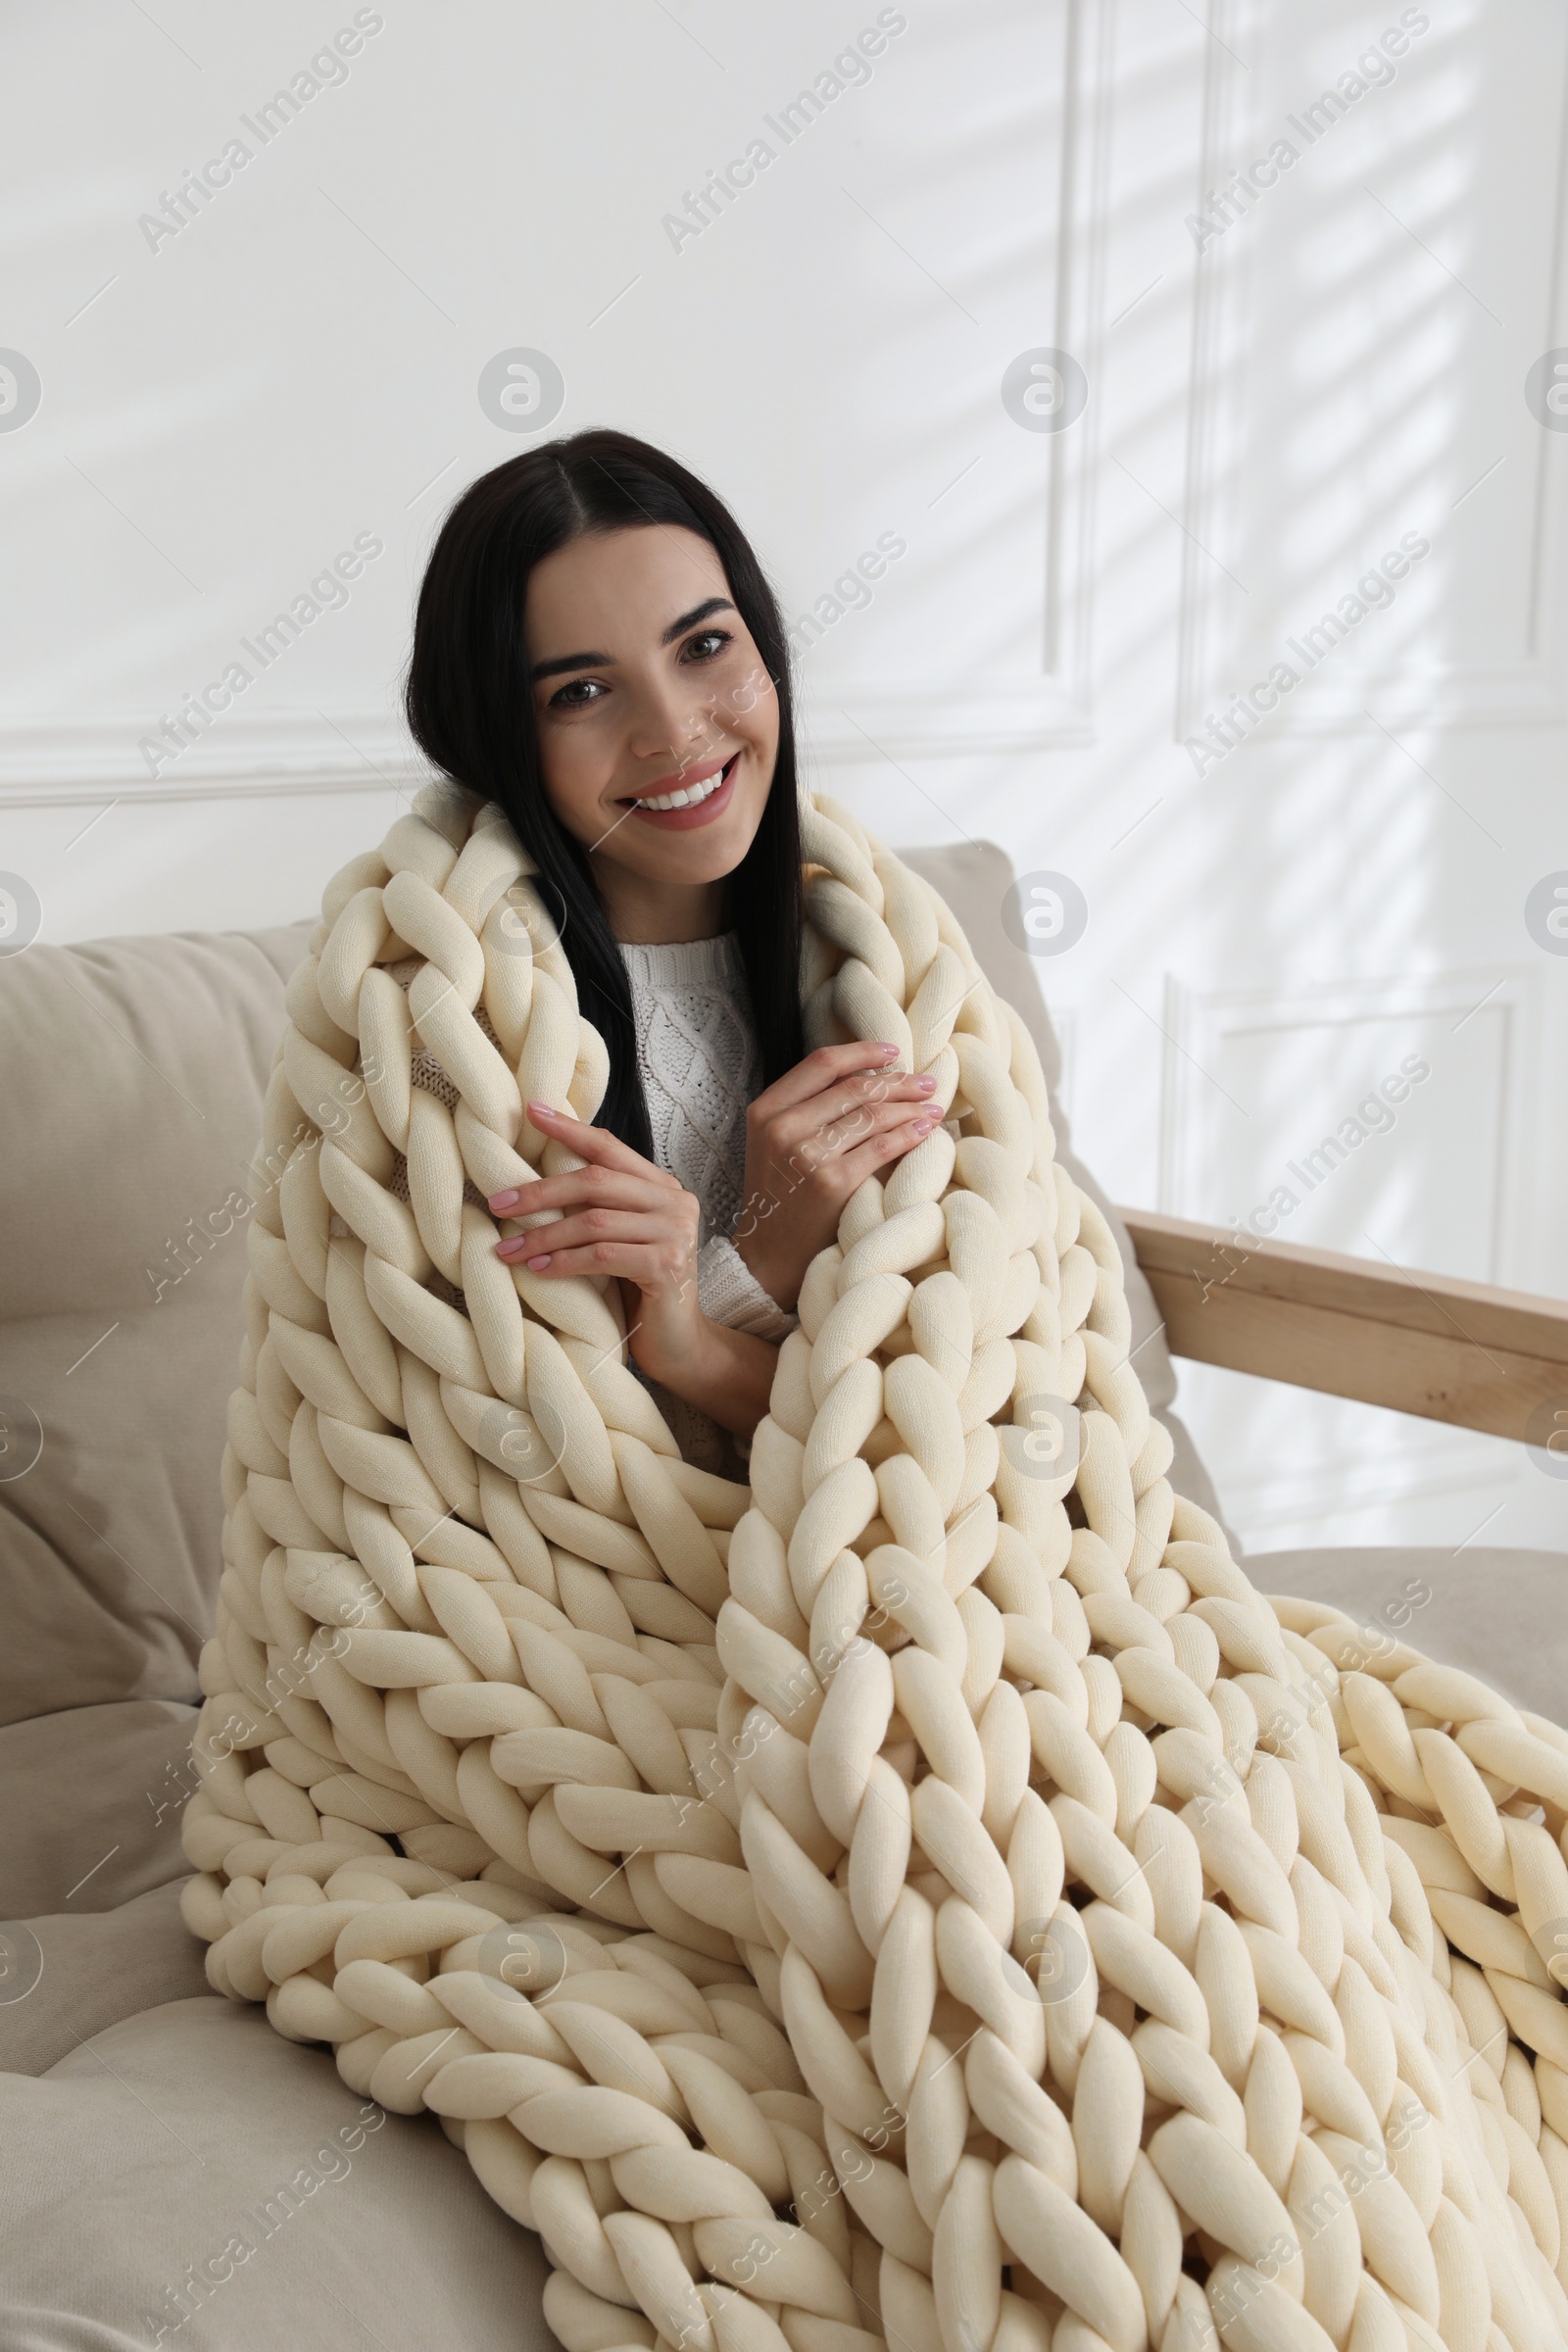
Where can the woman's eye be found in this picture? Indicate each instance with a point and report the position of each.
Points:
(707, 643)
(577, 695)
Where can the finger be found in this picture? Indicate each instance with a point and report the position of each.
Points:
(857, 1166)
(825, 1067)
(838, 1102)
(808, 1144)
(873, 1085)
(592, 1144)
(857, 1126)
(535, 1248)
(643, 1263)
(579, 1187)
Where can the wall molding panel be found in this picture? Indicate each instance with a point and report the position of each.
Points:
(70, 763)
(1208, 1032)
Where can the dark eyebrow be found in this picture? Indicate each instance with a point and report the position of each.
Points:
(676, 628)
(689, 620)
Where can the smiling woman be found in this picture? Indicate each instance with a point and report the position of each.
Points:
(597, 652)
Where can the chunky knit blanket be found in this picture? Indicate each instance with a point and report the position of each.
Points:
(927, 1898)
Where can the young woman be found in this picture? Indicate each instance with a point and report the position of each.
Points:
(597, 650)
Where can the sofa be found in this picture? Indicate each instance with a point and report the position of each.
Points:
(167, 2160)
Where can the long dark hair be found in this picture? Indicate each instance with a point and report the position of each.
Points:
(470, 710)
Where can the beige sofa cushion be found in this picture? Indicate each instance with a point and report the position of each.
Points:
(91, 1802)
(142, 2158)
(1499, 1615)
(131, 1073)
(84, 1974)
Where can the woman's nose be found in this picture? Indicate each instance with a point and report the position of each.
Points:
(668, 722)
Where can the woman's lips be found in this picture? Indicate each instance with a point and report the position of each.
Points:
(698, 812)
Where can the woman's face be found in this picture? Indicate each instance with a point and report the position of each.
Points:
(657, 721)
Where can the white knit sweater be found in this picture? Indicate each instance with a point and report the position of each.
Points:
(699, 1067)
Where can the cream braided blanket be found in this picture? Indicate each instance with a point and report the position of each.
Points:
(926, 1899)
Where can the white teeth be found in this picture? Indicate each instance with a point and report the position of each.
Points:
(690, 795)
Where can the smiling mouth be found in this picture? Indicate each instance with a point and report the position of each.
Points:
(698, 802)
(690, 796)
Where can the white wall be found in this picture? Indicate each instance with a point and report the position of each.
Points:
(1270, 410)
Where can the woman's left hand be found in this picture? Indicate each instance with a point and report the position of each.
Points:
(617, 1215)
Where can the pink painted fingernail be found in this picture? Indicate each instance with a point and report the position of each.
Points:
(500, 1202)
(927, 1086)
(545, 1107)
(537, 1265)
(510, 1249)
(884, 1048)
(924, 1126)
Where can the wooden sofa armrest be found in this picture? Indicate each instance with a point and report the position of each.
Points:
(1427, 1343)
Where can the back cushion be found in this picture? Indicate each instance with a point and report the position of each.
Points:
(132, 1072)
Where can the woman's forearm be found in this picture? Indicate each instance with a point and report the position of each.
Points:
(728, 1375)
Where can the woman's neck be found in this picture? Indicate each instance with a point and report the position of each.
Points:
(646, 913)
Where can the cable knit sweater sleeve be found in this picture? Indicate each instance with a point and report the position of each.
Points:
(729, 1292)
(699, 1067)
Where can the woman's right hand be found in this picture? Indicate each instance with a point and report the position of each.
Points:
(811, 1138)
